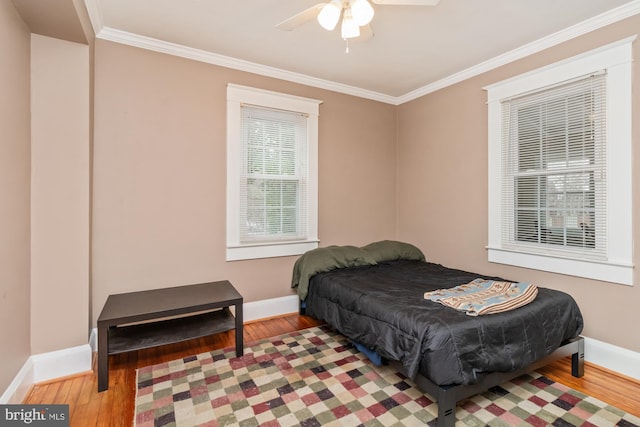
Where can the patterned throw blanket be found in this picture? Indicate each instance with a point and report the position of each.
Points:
(482, 296)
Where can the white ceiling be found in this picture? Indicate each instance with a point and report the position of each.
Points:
(415, 49)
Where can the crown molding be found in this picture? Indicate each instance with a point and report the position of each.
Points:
(584, 27)
(106, 33)
(118, 36)
(95, 16)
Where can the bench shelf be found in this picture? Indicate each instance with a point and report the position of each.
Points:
(138, 320)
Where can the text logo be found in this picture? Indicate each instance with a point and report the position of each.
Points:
(34, 415)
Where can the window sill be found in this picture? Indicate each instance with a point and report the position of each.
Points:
(620, 273)
(269, 250)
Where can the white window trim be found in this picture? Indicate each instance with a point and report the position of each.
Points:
(617, 59)
(236, 96)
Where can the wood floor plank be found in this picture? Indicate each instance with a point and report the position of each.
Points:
(75, 388)
(115, 406)
(621, 392)
(62, 396)
(36, 393)
(86, 414)
(51, 390)
(88, 387)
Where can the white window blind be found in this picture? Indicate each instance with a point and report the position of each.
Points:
(554, 157)
(272, 173)
(559, 145)
(273, 180)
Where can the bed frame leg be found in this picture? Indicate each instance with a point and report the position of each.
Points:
(577, 360)
(446, 407)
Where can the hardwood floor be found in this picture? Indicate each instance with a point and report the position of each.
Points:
(115, 406)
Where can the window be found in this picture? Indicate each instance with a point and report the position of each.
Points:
(554, 168)
(271, 173)
(559, 167)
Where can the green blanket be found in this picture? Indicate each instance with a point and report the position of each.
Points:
(333, 257)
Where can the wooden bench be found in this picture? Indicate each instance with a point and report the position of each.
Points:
(168, 316)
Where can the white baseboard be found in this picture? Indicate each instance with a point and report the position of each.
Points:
(47, 366)
(19, 387)
(61, 363)
(93, 340)
(269, 308)
(614, 358)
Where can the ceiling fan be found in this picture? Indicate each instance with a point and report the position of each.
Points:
(356, 14)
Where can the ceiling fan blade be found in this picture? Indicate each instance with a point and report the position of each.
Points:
(301, 18)
(407, 2)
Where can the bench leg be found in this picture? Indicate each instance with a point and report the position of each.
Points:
(103, 358)
(239, 331)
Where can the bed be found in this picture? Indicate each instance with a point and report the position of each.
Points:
(375, 296)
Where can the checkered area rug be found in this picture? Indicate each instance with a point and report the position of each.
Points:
(315, 377)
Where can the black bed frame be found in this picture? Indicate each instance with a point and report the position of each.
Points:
(448, 396)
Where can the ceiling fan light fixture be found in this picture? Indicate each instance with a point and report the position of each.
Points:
(350, 27)
(330, 15)
(362, 12)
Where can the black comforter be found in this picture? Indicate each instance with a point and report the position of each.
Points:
(382, 307)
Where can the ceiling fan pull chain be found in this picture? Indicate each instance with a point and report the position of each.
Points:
(347, 48)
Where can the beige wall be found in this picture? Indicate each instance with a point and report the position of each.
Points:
(59, 194)
(442, 187)
(159, 186)
(14, 193)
